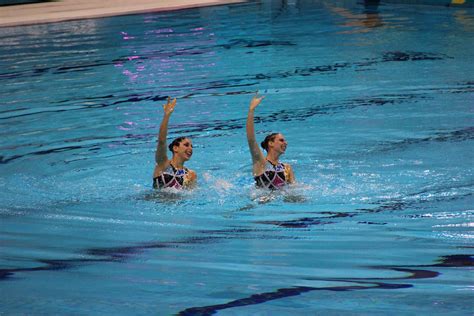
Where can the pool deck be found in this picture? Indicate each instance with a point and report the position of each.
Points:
(66, 10)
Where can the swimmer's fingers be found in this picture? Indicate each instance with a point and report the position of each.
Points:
(173, 102)
(167, 103)
(256, 96)
(169, 106)
(256, 101)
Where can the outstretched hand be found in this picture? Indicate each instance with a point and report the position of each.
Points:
(169, 106)
(256, 101)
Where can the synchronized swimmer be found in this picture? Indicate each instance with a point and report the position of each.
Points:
(172, 173)
(268, 171)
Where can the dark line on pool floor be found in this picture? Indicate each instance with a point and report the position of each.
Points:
(451, 261)
(382, 206)
(390, 56)
(196, 130)
(157, 54)
(278, 294)
(244, 81)
(120, 254)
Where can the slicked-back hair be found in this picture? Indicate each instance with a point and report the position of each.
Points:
(268, 138)
(176, 142)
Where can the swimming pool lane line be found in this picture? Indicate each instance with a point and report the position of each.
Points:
(121, 254)
(451, 261)
(461, 134)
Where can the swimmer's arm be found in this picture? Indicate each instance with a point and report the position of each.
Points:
(160, 156)
(191, 179)
(291, 175)
(258, 158)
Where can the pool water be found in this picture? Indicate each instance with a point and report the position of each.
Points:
(375, 102)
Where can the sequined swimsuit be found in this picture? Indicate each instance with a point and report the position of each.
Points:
(274, 177)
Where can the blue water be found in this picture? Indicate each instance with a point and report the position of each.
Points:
(375, 102)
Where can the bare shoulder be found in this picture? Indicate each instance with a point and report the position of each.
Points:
(192, 175)
(159, 168)
(289, 173)
(288, 167)
(191, 179)
(259, 167)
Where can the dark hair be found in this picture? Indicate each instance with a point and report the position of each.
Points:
(268, 138)
(176, 142)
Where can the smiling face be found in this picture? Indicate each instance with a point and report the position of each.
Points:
(184, 149)
(278, 144)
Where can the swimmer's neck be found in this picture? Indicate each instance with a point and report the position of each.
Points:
(273, 157)
(177, 163)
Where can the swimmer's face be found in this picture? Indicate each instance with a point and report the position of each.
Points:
(278, 144)
(184, 149)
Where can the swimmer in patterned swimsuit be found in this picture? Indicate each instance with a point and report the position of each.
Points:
(171, 173)
(268, 171)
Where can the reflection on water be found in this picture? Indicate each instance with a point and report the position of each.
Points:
(363, 22)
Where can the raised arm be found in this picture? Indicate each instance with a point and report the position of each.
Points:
(258, 159)
(160, 155)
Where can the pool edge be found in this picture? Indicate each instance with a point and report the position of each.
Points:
(69, 10)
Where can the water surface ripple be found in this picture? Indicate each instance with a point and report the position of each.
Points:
(375, 101)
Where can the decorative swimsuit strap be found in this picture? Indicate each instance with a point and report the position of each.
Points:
(275, 166)
(175, 170)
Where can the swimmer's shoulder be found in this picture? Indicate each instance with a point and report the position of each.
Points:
(289, 174)
(159, 168)
(190, 179)
(192, 175)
